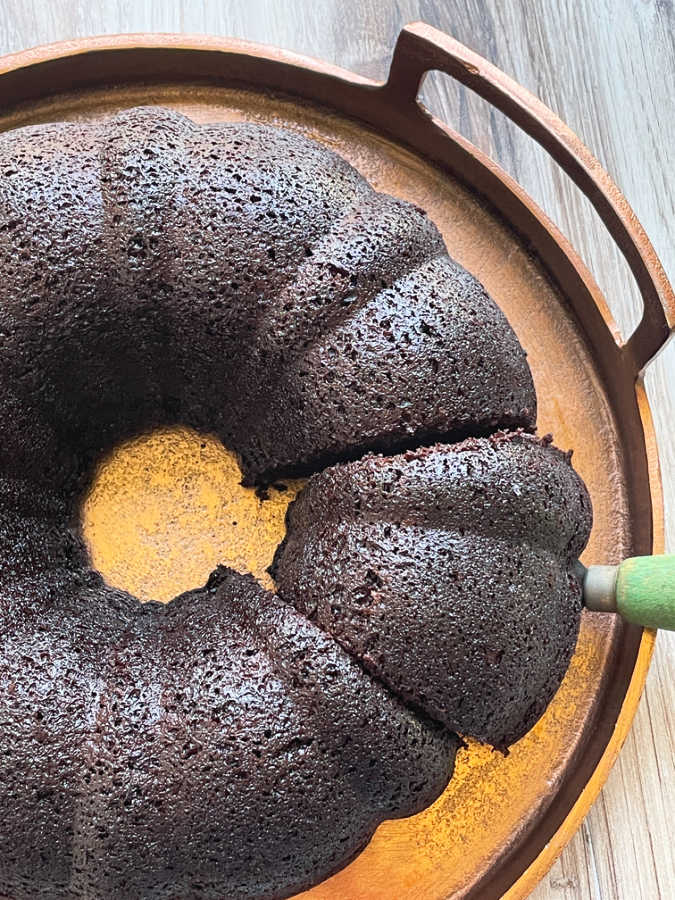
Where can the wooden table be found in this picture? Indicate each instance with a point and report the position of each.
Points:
(608, 68)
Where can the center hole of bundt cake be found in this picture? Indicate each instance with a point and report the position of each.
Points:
(166, 508)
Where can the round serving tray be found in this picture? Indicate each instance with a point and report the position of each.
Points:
(502, 821)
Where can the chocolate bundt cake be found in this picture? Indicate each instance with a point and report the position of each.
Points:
(220, 746)
(448, 572)
(244, 281)
(238, 279)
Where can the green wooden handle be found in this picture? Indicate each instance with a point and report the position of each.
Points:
(645, 591)
(641, 590)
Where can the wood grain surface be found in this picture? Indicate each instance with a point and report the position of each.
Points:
(607, 67)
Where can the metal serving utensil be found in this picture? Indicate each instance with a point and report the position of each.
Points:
(641, 590)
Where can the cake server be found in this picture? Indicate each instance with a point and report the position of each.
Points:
(641, 590)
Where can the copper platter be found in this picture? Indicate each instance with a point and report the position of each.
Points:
(502, 821)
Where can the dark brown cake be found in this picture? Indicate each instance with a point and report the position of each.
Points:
(239, 279)
(247, 282)
(220, 746)
(448, 573)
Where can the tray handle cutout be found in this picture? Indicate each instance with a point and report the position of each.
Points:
(421, 48)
